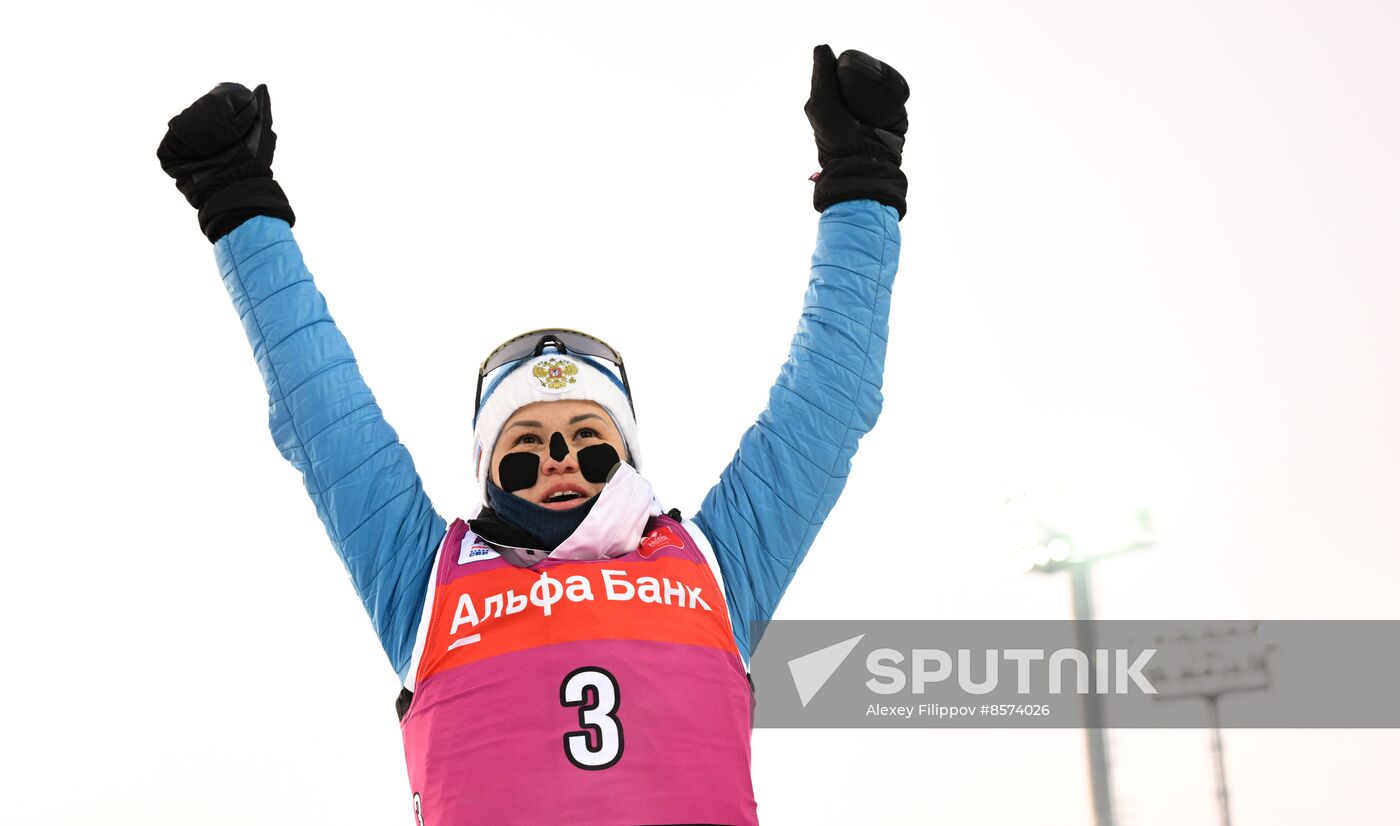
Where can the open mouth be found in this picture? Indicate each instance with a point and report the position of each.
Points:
(563, 498)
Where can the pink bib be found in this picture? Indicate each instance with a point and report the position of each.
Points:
(579, 691)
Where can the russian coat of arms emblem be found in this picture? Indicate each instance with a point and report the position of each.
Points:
(555, 373)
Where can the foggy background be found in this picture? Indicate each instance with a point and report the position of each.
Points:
(1149, 261)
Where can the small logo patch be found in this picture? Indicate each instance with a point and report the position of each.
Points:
(663, 537)
(555, 373)
(477, 552)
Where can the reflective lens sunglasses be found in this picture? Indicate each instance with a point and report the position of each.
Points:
(533, 344)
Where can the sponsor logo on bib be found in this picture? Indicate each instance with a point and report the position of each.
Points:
(475, 553)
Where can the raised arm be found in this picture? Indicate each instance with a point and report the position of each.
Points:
(323, 417)
(792, 464)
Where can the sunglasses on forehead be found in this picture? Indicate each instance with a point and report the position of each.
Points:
(535, 342)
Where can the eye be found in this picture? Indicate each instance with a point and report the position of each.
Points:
(587, 433)
(527, 439)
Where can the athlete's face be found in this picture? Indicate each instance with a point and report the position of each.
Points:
(537, 455)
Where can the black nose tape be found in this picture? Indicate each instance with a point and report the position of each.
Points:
(518, 471)
(558, 448)
(596, 462)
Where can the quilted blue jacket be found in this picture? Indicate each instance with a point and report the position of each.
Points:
(761, 517)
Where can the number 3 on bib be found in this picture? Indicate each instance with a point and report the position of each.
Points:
(594, 692)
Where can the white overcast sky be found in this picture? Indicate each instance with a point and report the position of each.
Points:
(1150, 259)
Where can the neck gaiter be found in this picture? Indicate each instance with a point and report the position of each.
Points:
(550, 527)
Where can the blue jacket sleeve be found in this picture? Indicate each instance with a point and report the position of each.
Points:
(792, 463)
(326, 423)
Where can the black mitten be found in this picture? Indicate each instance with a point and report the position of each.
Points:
(219, 151)
(858, 118)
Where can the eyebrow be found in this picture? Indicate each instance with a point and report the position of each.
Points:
(533, 423)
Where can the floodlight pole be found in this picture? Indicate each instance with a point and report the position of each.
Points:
(1210, 673)
(1100, 785)
(1217, 748)
(1094, 736)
